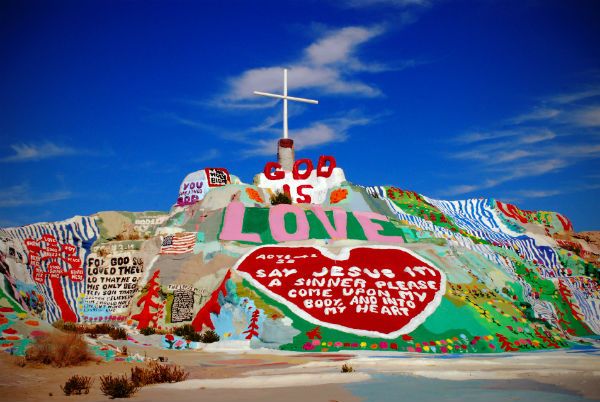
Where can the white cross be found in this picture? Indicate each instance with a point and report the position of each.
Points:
(285, 98)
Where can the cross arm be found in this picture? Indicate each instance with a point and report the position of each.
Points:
(292, 98)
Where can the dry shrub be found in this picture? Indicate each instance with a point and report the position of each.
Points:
(118, 333)
(156, 373)
(117, 386)
(346, 368)
(92, 330)
(103, 328)
(20, 361)
(77, 384)
(65, 326)
(59, 349)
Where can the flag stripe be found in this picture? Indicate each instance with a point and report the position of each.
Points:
(178, 244)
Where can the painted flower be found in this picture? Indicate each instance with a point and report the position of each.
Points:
(338, 195)
(308, 346)
(169, 337)
(254, 195)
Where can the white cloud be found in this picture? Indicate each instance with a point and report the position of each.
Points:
(339, 46)
(509, 172)
(524, 135)
(537, 114)
(538, 136)
(327, 66)
(21, 194)
(538, 193)
(575, 96)
(33, 152)
(208, 155)
(560, 132)
(478, 136)
(469, 188)
(586, 116)
(315, 135)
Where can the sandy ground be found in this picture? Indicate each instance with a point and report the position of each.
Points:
(252, 376)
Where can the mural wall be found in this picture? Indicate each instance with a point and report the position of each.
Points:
(344, 267)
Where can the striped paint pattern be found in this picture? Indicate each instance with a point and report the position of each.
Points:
(79, 231)
(179, 243)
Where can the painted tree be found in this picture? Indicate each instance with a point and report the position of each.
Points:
(211, 306)
(54, 261)
(314, 333)
(151, 309)
(252, 330)
(566, 294)
(547, 340)
(505, 343)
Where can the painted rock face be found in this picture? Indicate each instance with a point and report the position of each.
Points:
(369, 291)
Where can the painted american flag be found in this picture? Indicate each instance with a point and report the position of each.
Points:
(179, 243)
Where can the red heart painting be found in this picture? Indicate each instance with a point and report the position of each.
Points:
(374, 291)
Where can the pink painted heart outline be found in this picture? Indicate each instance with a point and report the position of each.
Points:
(343, 255)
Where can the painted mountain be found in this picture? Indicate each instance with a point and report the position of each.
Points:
(343, 267)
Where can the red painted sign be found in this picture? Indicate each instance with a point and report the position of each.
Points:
(49, 253)
(217, 177)
(372, 291)
(304, 177)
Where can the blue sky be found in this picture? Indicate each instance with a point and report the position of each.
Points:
(107, 105)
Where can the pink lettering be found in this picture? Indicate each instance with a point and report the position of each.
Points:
(232, 224)
(339, 218)
(277, 223)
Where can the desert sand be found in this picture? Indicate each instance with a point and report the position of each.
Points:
(255, 376)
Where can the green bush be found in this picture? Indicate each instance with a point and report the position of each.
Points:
(148, 331)
(188, 332)
(77, 384)
(118, 386)
(280, 198)
(209, 336)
